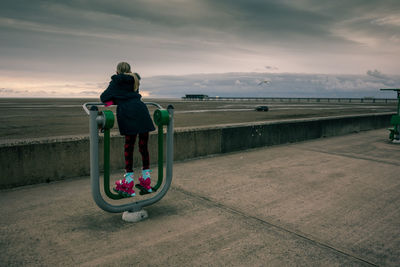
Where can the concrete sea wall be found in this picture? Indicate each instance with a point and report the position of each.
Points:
(45, 160)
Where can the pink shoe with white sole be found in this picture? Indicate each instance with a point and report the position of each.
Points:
(124, 187)
(145, 181)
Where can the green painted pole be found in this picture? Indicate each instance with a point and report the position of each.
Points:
(107, 166)
(108, 123)
(160, 158)
(398, 102)
(161, 118)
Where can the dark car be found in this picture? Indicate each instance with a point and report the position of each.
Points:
(262, 108)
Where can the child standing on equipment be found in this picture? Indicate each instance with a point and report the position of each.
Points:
(133, 119)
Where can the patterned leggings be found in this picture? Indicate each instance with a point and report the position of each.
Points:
(128, 149)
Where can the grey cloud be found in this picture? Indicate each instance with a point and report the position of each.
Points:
(7, 91)
(386, 80)
(261, 20)
(95, 93)
(379, 20)
(267, 21)
(76, 36)
(4, 90)
(105, 16)
(271, 68)
(376, 74)
(268, 16)
(281, 85)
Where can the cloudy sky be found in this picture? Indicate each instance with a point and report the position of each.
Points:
(70, 48)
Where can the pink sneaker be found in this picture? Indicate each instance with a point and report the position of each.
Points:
(124, 187)
(145, 181)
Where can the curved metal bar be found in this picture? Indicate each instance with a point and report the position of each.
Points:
(94, 166)
(85, 106)
(154, 104)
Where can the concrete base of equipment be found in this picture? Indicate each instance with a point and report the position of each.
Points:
(134, 216)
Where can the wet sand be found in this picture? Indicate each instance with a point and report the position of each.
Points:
(38, 118)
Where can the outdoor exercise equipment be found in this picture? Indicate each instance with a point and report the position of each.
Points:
(394, 134)
(103, 121)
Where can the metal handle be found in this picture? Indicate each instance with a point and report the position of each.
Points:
(85, 106)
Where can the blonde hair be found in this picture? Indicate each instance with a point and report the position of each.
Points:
(123, 67)
(137, 82)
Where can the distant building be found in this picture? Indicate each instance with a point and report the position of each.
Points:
(195, 97)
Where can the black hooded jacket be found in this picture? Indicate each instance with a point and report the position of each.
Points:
(132, 114)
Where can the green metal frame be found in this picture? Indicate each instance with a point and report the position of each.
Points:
(108, 123)
(96, 122)
(395, 120)
(161, 118)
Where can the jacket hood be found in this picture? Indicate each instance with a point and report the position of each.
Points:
(123, 79)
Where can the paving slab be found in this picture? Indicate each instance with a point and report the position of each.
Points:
(327, 202)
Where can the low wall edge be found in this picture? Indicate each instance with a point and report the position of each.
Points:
(44, 160)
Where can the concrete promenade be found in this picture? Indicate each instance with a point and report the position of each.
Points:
(326, 202)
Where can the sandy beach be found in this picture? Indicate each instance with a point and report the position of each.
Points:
(26, 118)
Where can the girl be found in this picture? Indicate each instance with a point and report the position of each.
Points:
(133, 119)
